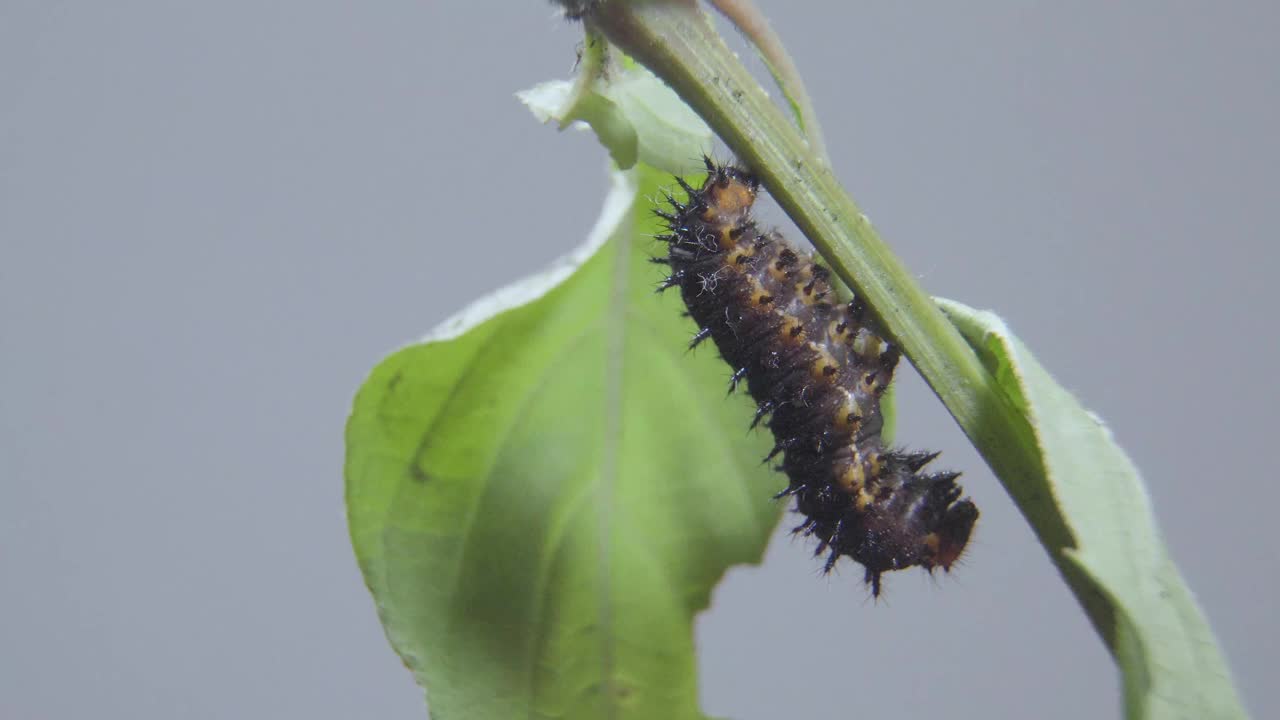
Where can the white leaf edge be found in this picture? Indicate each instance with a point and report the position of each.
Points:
(623, 190)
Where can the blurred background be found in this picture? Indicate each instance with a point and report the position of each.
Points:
(216, 217)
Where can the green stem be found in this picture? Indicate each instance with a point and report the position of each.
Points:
(674, 40)
(751, 23)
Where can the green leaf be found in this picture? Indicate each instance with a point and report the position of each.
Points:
(1115, 562)
(543, 492)
(635, 116)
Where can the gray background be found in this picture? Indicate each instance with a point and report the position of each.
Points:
(215, 217)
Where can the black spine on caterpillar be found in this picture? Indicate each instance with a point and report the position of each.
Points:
(816, 370)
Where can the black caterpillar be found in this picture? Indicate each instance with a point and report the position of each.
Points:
(816, 371)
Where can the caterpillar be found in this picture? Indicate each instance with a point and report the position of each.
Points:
(816, 369)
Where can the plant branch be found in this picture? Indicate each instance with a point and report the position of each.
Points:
(751, 22)
(675, 41)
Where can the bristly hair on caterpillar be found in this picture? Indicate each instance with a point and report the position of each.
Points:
(817, 369)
